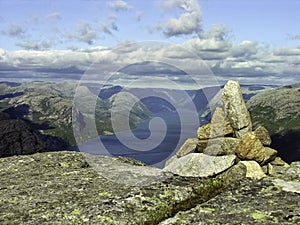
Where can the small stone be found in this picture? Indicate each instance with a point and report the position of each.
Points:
(270, 169)
(279, 162)
(270, 154)
(253, 169)
(200, 165)
(263, 134)
(235, 109)
(189, 146)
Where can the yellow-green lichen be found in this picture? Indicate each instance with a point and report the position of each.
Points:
(258, 215)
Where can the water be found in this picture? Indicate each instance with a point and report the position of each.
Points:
(173, 138)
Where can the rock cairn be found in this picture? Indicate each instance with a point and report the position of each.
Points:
(226, 141)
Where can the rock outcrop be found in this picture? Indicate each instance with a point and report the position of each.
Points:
(76, 188)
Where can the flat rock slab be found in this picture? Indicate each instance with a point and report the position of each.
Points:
(63, 188)
(200, 165)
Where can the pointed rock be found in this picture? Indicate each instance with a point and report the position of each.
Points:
(189, 146)
(200, 165)
(235, 109)
(263, 134)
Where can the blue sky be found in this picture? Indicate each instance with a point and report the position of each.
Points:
(58, 24)
(244, 39)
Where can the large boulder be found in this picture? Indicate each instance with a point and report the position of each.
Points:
(200, 165)
(235, 109)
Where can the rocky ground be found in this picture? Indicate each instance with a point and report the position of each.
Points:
(76, 188)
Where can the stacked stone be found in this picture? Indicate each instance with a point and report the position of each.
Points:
(228, 140)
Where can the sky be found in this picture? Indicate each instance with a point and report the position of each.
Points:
(252, 41)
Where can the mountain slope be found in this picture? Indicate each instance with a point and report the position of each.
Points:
(279, 111)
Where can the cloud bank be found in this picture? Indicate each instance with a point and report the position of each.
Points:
(246, 61)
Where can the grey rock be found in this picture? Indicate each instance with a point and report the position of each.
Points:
(204, 132)
(270, 154)
(221, 146)
(171, 159)
(219, 127)
(235, 109)
(189, 146)
(289, 186)
(200, 165)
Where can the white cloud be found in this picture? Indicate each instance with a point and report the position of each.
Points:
(119, 5)
(246, 61)
(189, 21)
